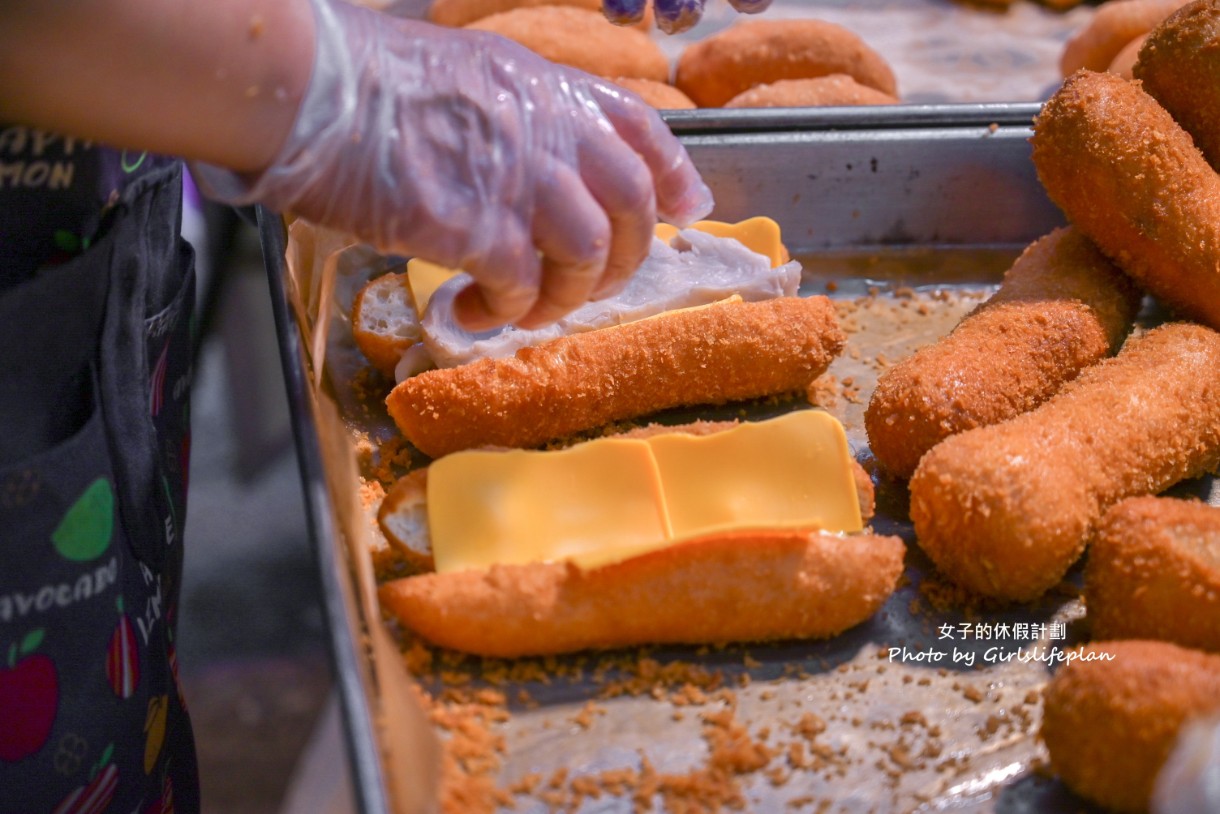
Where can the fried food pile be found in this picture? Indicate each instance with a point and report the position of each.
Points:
(1044, 426)
(753, 63)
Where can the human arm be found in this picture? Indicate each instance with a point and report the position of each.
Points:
(543, 182)
(219, 81)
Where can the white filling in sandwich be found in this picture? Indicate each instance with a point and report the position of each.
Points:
(706, 269)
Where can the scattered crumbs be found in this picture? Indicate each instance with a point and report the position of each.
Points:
(588, 714)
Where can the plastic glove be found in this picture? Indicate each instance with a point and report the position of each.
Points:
(673, 16)
(466, 149)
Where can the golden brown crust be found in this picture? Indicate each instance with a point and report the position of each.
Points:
(1123, 63)
(710, 355)
(820, 91)
(1060, 308)
(582, 39)
(738, 587)
(1180, 68)
(1005, 510)
(1110, 28)
(457, 13)
(660, 95)
(1110, 725)
(755, 52)
(1153, 572)
(1132, 180)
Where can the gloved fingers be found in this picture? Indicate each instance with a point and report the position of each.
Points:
(506, 275)
(676, 16)
(682, 197)
(572, 232)
(622, 184)
(624, 12)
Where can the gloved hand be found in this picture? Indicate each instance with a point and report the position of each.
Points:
(673, 16)
(466, 149)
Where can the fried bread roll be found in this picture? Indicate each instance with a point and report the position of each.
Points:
(458, 13)
(755, 52)
(1110, 724)
(403, 516)
(820, 91)
(740, 586)
(722, 352)
(1109, 30)
(1123, 63)
(1179, 66)
(384, 323)
(658, 94)
(1060, 308)
(1153, 572)
(582, 39)
(1131, 179)
(1005, 510)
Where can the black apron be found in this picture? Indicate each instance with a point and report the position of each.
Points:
(95, 361)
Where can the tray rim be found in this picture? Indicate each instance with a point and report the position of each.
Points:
(709, 121)
(352, 685)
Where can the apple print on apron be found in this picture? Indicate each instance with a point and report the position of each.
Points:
(95, 355)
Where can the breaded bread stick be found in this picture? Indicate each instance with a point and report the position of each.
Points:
(1128, 176)
(1153, 572)
(660, 95)
(580, 38)
(819, 91)
(742, 586)
(754, 52)
(710, 355)
(1179, 66)
(1110, 724)
(1005, 510)
(1060, 308)
(457, 13)
(1111, 28)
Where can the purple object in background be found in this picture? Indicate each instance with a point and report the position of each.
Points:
(750, 6)
(624, 12)
(676, 16)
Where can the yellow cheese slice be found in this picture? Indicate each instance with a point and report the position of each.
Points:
(759, 234)
(422, 279)
(794, 471)
(591, 503)
(610, 499)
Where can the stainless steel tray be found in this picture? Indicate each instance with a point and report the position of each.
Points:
(925, 197)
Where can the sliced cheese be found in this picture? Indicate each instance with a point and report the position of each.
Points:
(592, 503)
(759, 234)
(794, 471)
(610, 499)
(422, 279)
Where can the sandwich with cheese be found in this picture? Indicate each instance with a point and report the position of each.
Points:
(702, 534)
(712, 316)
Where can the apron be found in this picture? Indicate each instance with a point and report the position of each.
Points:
(95, 359)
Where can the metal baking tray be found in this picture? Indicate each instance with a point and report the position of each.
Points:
(900, 202)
